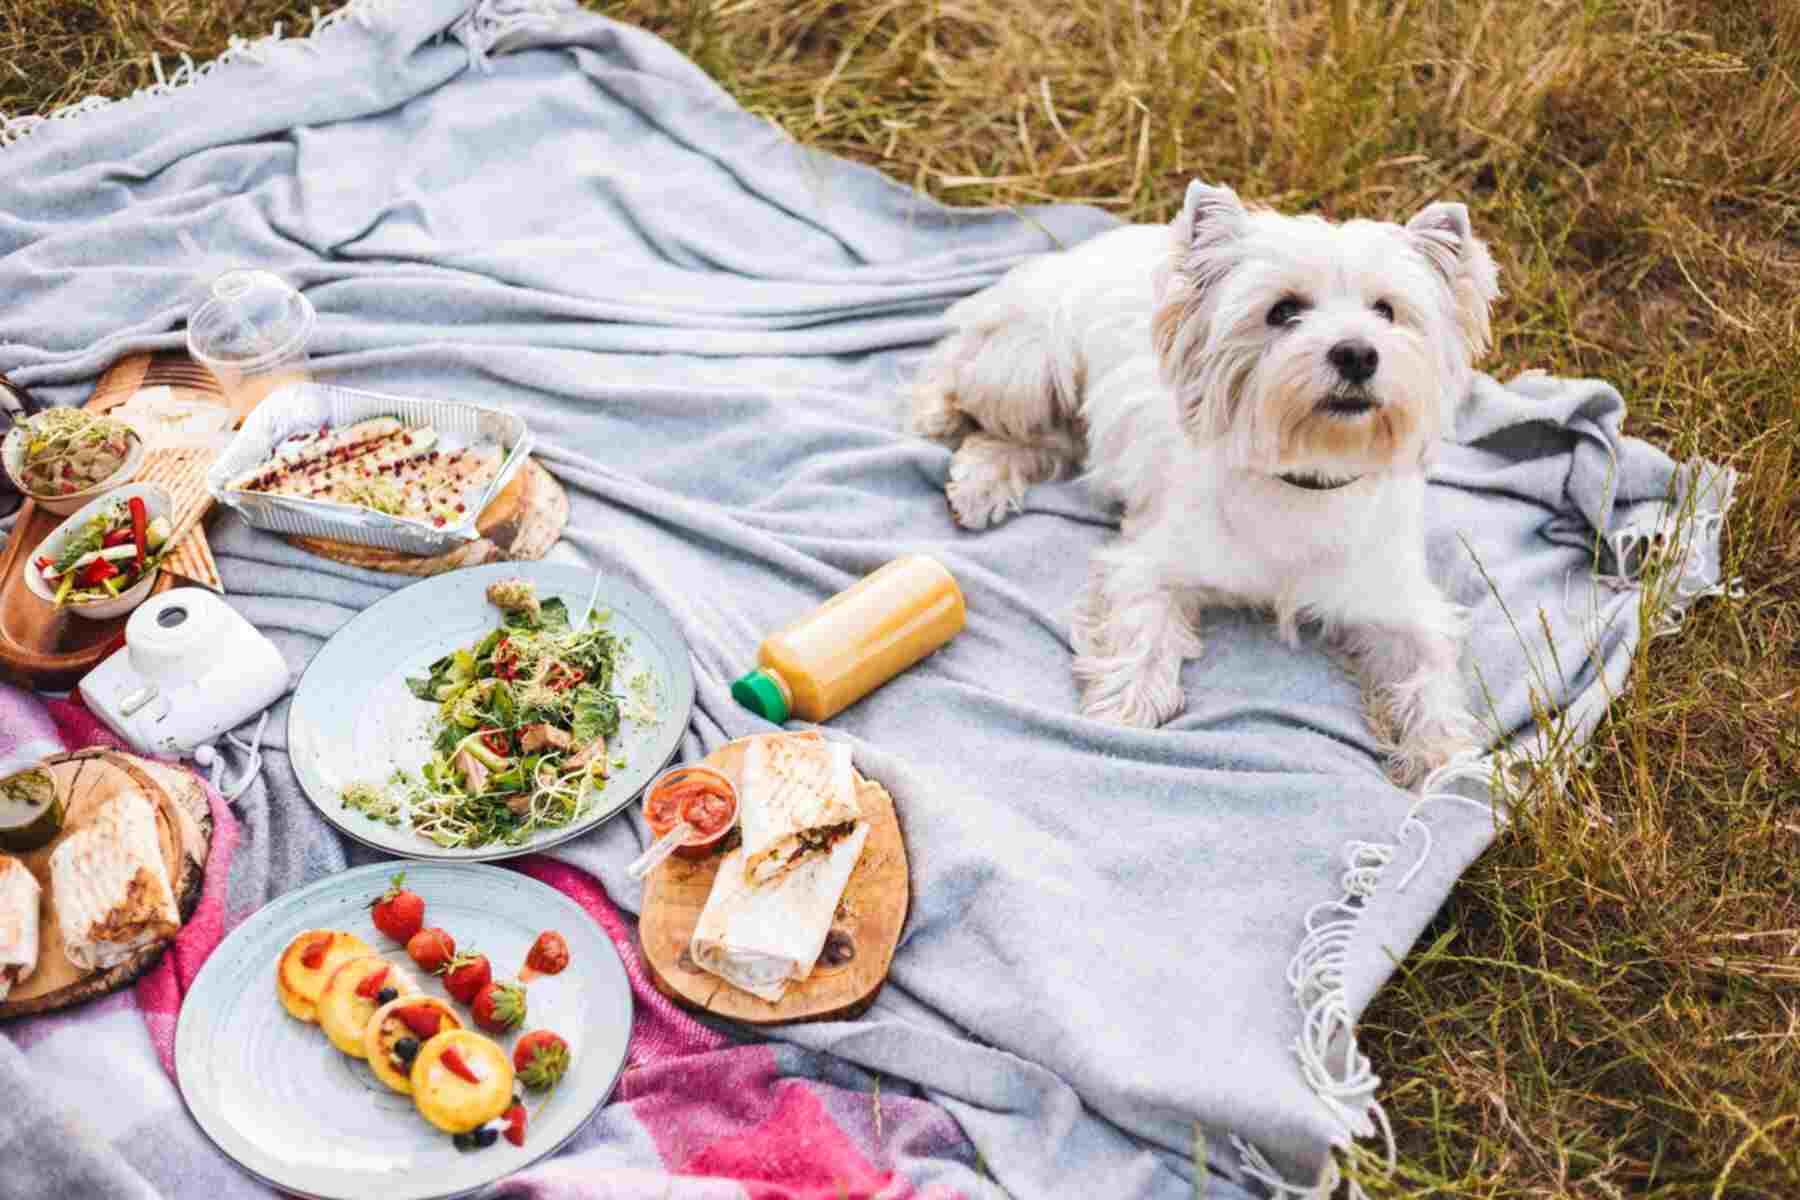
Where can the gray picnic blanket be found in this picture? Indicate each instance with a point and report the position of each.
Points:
(1124, 945)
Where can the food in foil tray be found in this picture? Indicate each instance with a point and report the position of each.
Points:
(381, 464)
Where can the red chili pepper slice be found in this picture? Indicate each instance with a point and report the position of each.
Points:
(314, 955)
(497, 741)
(370, 986)
(140, 525)
(117, 537)
(454, 1060)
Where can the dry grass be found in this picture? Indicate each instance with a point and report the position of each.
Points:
(1609, 1004)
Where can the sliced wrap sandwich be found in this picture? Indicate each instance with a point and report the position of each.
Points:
(19, 895)
(797, 797)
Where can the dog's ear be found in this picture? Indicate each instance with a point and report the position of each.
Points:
(1203, 248)
(1211, 218)
(1443, 236)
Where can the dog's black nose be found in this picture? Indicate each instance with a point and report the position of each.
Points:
(1354, 359)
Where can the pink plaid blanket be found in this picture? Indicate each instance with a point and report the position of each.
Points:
(696, 1116)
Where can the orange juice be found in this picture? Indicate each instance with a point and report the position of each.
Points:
(854, 642)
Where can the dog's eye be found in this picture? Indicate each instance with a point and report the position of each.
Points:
(1384, 310)
(1284, 312)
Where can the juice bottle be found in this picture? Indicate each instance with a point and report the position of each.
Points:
(854, 642)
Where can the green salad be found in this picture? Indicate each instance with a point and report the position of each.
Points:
(520, 735)
(108, 556)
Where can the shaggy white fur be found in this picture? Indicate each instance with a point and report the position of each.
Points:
(1262, 394)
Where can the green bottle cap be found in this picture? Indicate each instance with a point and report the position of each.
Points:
(761, 694)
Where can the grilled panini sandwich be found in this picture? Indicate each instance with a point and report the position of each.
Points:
(18, 923)
(112, 885)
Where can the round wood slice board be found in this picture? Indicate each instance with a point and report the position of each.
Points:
(521, 523)
(86, 779)
(868, 923)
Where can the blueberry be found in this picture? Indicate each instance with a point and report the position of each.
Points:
(385, 995)
(463, 1141)
(406, 1049)
(485, 1137)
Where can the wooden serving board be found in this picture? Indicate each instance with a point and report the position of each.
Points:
(521, 523)
(45, 649)
(864, 933)
(85, 780)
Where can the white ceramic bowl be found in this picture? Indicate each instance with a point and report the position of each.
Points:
(12, 456)
(156, 502)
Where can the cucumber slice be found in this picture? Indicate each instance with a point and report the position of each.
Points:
(31, 813)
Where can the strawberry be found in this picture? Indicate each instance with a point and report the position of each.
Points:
(314, 955)
(452, 1058)
(432, 949)
(370, 987)
(423, 1019)
(398, 912)
(498, 1007)
(515, 1123)
(466, 975)
(540, 1059)
(549, 954)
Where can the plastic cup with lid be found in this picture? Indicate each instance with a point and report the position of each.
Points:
(251, 333)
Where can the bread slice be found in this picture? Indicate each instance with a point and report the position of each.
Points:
(111, 885)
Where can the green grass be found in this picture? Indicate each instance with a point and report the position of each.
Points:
(1609, 1004)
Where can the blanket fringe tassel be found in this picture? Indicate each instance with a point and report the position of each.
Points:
(484, 24)
(1676, 563)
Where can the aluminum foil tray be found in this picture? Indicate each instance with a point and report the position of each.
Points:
(308, 405)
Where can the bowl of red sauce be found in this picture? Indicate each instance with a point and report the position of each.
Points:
(699, 795)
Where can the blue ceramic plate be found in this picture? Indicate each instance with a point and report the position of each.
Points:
(353, 720)
(275, 1095)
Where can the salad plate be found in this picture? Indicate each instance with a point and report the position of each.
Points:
(372, 729)
(274, 1094)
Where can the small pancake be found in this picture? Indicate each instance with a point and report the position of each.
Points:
(299, 986)
(343, 1014)
(384, 1029)
(448, 1100)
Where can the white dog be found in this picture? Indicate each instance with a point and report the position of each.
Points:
(1263, 394)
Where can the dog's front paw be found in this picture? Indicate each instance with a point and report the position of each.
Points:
(1428, 745)
(1142, 695)
(981, 491)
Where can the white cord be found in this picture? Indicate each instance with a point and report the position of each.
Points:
(253, 748)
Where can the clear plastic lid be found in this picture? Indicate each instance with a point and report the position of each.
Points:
(253, 320)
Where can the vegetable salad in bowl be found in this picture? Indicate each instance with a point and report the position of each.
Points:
(521, 728)
(106, 555)
(64, 453)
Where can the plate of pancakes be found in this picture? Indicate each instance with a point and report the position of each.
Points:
(321, 1056)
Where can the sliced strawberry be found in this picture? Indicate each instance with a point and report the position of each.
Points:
(549, 954)
(368, 988)
(452, 1058)
(515, 1124)
(423, 1019)
(313, 957)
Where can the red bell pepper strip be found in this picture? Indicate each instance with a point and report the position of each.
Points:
(117, 537)
(140, 525)
(96, 572)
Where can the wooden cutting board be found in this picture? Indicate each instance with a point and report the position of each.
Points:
(45, 649)
(86, 779)
(858, 951)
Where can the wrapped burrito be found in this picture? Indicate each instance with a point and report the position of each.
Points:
(761, 937)
(18, 923)
(797, 797)
(112, 885)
